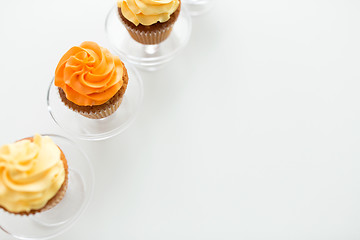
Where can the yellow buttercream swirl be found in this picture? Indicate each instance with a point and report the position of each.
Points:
(31, 173)
(147, 12)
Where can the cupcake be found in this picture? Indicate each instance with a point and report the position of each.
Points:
(34, 175)
(91, 81)
(149, 21)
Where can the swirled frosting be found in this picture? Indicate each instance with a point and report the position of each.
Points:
(31, 173)
(147, 12)
(89, 74)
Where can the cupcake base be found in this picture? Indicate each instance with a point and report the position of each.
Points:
(93, 112)
(153, 34)
(98, 111)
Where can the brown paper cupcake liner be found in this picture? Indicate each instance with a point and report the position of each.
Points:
(152, 37)
(96, 112)
(101, 113)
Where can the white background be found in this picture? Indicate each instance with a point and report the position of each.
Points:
(252, 132)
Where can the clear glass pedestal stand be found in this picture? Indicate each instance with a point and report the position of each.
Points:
(98, 129)
(147, 57)
(50, 223)
(198, 7)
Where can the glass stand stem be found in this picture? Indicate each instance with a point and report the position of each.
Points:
(151, 49)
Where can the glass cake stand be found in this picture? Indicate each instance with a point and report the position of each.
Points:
(147, 57)
(198, 7)
(50, 223)
(97, 129)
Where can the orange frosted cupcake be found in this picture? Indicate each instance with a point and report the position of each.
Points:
(149, 21)
(34, 175)
(91, 81)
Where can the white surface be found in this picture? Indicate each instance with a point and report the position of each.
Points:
(252, 132)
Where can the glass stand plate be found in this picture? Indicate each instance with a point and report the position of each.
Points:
(147, 57)
(50, 223)
(198, 7)
(98, 129)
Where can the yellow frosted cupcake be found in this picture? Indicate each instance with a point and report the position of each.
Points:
(149, 21)
(34, 175)
(91, 81)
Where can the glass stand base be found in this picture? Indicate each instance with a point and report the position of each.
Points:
(98, 129)
(50, 223)
(198, 7)
(147, 57)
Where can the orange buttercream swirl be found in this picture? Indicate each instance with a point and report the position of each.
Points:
(89, 74)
